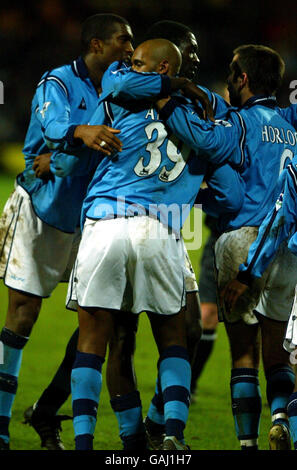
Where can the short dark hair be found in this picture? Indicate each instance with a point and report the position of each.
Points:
(100, 26)
(264, 67)
(170, 30)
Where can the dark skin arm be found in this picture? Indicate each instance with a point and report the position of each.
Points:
(190, 91)
(231, 292)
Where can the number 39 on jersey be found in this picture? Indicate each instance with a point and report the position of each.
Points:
(177, 152)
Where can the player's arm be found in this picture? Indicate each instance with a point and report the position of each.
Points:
(63, 164)
(81, 160)
(125, 84)
(220, 105)
(59, 131)
(220, 142)
(224, 193)
(275, 228)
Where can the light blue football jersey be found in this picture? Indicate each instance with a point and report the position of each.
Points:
(155, 173)
(290, 114)
(64, 98)
(136, 87)
(268, 143)
(280, 224)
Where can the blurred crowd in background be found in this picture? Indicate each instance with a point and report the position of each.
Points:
(38, 35)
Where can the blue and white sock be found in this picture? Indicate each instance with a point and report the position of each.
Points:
(128, 410)
(246, 406)
(280, 385)
(13, 345)
(86, 383)
(175, 381)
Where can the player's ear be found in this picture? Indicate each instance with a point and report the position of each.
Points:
(96, 45)
(163, 67)
(244, 80)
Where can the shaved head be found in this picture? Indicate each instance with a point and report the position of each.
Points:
(157, 55)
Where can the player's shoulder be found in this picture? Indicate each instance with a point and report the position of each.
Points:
(219, 104)
(261, 108)
(278, 120)
(62, 71)
(60, 75)
(67, 76)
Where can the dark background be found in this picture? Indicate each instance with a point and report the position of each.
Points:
(38, 35)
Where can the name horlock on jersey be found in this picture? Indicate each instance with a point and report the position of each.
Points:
(278, 136)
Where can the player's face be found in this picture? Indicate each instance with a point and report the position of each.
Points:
(142, 60)
(119, 46)
(189, 51)
(233, 84)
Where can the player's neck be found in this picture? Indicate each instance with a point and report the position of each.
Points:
(95, 70)
(245, 95)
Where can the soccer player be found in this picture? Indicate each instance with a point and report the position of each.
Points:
(276, 231)
(123, 205)
(184, 38)
(121, 353)
(269, 144)
(42, 216)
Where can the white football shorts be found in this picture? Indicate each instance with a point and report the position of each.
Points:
(191, 284)
(34, 257)
(129, 264)
(271, 295)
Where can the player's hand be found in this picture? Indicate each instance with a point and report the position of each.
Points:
(194, 93)
(231, 292)
(101, 138)
(41, 166)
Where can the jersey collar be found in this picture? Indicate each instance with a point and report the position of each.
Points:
(79, 68)
(263, 100)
